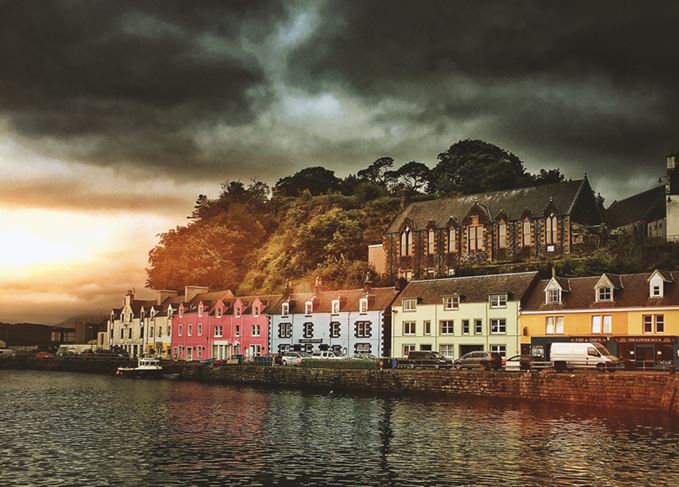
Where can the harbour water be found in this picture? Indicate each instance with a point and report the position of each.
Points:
(79, 429)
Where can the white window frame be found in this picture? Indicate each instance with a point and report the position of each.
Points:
(451, 302)
(498, 301)
(502, 235)
(447, 327)
(200, 329)
(409, 328)
(285, 309)
(498, 326)
(427, 327)
(363, 305)
(335, 306)
(308, 308)
(604, 294)
(444, 348)
(526, 233)
(553, 296)
(452, 240)
(256, 330)
(409, 305)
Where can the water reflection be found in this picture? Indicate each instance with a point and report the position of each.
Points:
(70, 429)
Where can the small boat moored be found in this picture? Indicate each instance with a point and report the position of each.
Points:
(147, 368)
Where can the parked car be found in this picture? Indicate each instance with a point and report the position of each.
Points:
(518, 363)
(44, 355)
(585, 355)
(6, 353)
(424, 359)
(479, 360)
(291, 358)
(325, 355)
(363, 356)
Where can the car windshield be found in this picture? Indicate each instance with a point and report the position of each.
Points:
(602, 350)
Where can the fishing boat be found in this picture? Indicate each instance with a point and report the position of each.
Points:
(147, 368)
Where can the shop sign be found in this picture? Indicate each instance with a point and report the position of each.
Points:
(642, 339)
(587, 339)
(310, 340)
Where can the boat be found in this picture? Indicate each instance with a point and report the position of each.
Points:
(147, 368)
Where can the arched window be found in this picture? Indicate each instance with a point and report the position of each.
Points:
(502, 235)
(406, 240)
(550, 229)
(526, 240)
(430, 241)
(452, 240)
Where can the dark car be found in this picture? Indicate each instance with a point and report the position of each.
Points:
(479, 360)
(424, 359)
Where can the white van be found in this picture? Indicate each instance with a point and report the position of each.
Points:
(326, 355)
(586, 355)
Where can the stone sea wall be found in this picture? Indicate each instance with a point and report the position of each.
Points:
(650, 391)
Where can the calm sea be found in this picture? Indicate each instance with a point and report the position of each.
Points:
(77, 429)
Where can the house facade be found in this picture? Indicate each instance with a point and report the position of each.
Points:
(344, 321)
(432, 238)
(126, 326)
(636, 316)
(454, 316)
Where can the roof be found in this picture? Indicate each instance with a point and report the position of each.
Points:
(471, 289)
(634, 292)
(513, 202)
(379, 298)
(635, 208)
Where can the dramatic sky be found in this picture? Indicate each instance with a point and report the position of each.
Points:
(115, 115)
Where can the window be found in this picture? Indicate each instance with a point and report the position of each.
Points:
(478, 327)
(308, 330)
(308, 308)
(180, 330)
(256, 329)
(189, 329)
(199, 349)
(650, 320)
(363, 329)
(200, 311)
(498, 300)
(447, 327)
(160, 331)
(608, 324)
(406, 242)
(498, 326)
(550, 229)
(553, 296)
(363, 348)
(656, 292)
(335, 307)
(218, 312)
(451, 302)
(285, 309)
(408, 327)
(475, 238)
(425, 347)
(409, 304)
(256, 311)
(335, 329)
(427, 327)
(526, 233)
(122, 333)
(502, 235)
(218, 330)
(465, 327)
(596, 324)
(237, 331)
(181, 312)
(285, 330)
(407, 349)
(200, 329)
(660, 323)
(501, 349)
(604, 294)
(237, 311)
(430, 241)
(255, 350)
(129, 333)
(446, 350)
(363, 305)
(554, 325)
(452, 240)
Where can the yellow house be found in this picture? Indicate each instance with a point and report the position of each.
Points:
(454, 316)
(636, 316)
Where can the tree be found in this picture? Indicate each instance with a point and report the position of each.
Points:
(413, 176)
(317, 180)
(378, 171)
(548, 177)
(475, 166)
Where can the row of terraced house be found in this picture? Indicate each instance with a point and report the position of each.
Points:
(635, 315)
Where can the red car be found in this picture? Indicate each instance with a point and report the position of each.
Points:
(44, 355)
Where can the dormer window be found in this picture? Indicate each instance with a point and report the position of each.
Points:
(553, 296)
(604, 294)
(181, 312)
(236, 311)
(363, 305)
(498, 300)
(451, 302)
(656, 291)
(255, 311)
(218, 312)
(308, 307)
(409, 304)
(335, 306)
(200, 311)
(285, 309)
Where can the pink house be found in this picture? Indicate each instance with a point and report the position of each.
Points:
(219, 325)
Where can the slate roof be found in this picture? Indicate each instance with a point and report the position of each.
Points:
(379, 298)
(471, 289)
(636, 208)
(634, 292)
(513, 202)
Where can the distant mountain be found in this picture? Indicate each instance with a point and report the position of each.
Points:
(70, 322)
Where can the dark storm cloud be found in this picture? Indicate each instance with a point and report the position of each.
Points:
(585, 83)
(127, 80)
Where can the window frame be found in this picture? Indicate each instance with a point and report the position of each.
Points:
(500, 325)
(498, 301)
(447, 327)
(409, 328)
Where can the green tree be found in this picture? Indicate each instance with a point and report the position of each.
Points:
(317, 180)
(378, 171)
(413, 176)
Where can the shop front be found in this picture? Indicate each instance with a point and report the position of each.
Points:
(538, 348)
(648, 351)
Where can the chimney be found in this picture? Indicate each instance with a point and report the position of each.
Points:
(288, 289)
(318, 286)
(163, 294)
(191, 292)
(553, 271)
(129, 297)
(367, 284)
